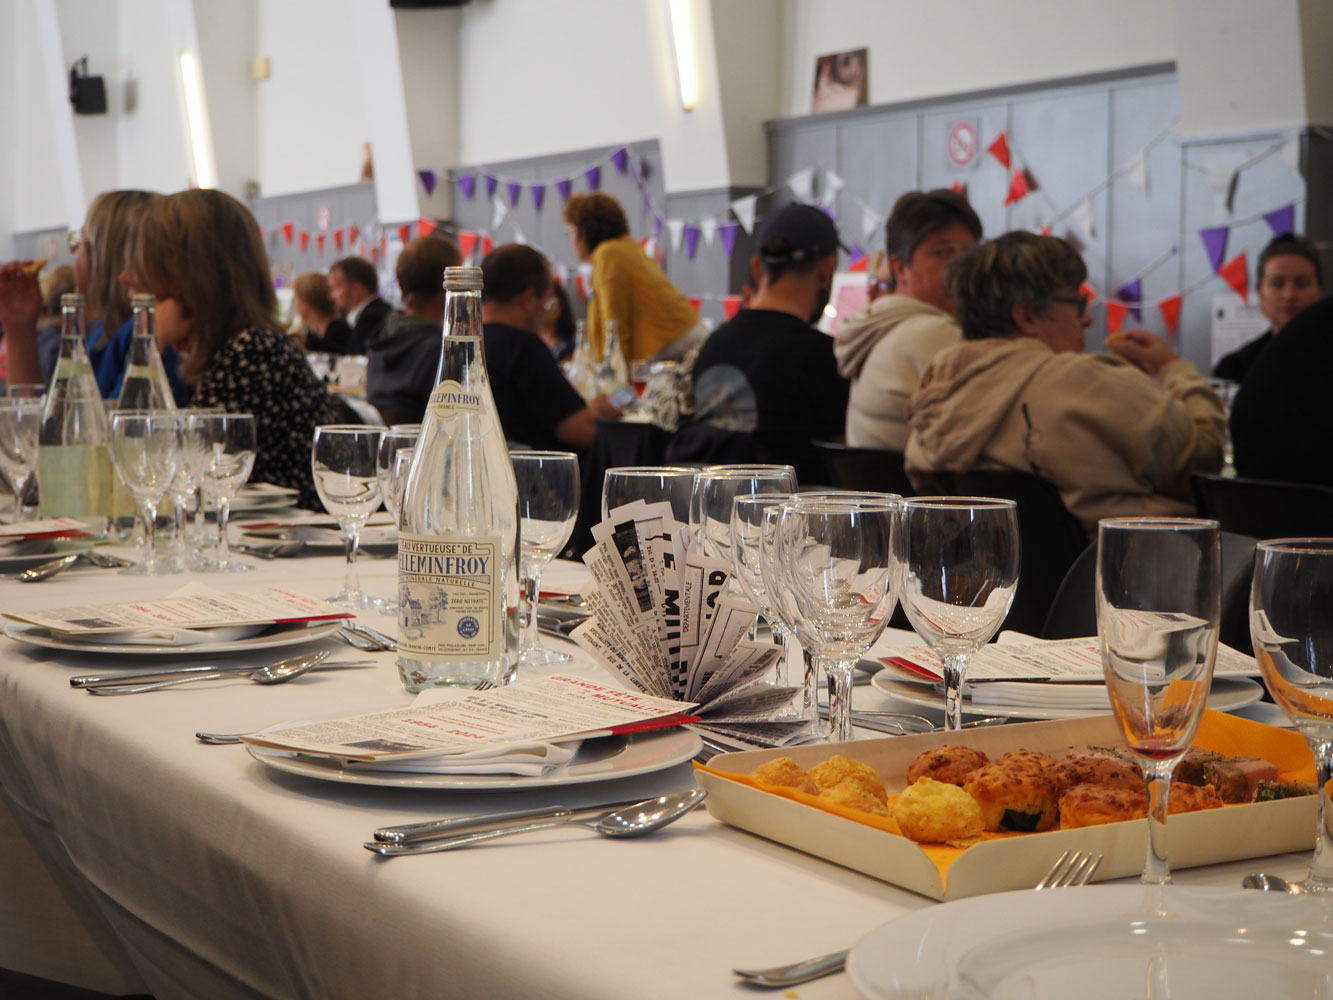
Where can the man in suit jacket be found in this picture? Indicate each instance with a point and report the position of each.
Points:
(354, 287)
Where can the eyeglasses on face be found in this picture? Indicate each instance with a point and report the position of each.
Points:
(75, 239)
(1080, 301)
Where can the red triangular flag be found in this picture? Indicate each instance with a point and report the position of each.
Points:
(375, 254)
(1170, 308)
(1000, 149)
(697, 301)
(425, 227)
(731, 305)
(405, 234)
(1115, 315)
(384, 245)
(1236, 274)
(1046, 230)
(862, 263)
(319, 243)
(487, 244)
(958, 187)
(338, 239)
(1089, 291)
(467, 242)
(352, 234)
(1018, 188)
(582, 290)
(288, 228)
(305, 239)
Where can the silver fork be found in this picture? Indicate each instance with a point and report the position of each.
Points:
(1073, 868)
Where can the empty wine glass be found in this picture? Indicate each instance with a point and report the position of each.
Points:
(958, 558)
(837, 559)
(394, 442)
(1292, 632)
(715, 489)
(1158, 605)
(652, 483)
(20, 421)
(747, 528)
(145, 446)
(227, 455)
(344, 459)
(548, 503)
(777, 593)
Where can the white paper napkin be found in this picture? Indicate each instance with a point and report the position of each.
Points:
(528, 760)
(164, 636)
(1028, 695)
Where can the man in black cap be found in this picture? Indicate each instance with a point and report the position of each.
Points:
(765, 383)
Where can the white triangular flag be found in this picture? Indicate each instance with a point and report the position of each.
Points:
(676, 227)
(744, 211)
(1224, 189)
(870, 223)
(832, 185)
(561, 273)
(1082, 214)
(708, 227)
(519, 237)
(585, 269)
(650, 247)
(1137, 170)
(802, 184)
(1290, 152)
(498, 212)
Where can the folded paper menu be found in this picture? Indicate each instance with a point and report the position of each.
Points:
(527, 760)
(552, 710)
(51, 527)
(196, 607)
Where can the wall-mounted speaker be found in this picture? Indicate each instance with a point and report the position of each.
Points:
(86, 93)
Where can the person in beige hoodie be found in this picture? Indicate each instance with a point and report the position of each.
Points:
(884, 348)
(1118, 434)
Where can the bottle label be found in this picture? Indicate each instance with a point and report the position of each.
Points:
(449, 400)
(449, 596)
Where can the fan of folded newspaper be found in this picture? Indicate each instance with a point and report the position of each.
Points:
(664, 618)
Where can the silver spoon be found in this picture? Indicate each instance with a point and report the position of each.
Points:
(47, 570)
(1272, 883)
(632, 822)
(274, 673)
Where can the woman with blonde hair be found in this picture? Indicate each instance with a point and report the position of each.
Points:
(201, 254)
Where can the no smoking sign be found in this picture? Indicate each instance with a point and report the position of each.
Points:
(962, 143)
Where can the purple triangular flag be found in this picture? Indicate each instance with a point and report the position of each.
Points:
(594, 177)
(538, 196)
(1131, 293)
(427, 181)
(467, 184)
(491, 182)
(855, 254)
(645, 169)
(691, 234)
(515, 189)
(621, 159)
(1281, 220)
(563, 185)
(727, 233)
(1215, 242)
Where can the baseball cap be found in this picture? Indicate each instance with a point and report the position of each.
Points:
(797, 233)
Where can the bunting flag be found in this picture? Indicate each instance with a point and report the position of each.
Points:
(832, 185)
(1089, 291)
(802, 184)
(581, 288)
(857, 260)
(352, 233)
(697, 302)
(1045, 230)
(676, 227)
(338, 239)
(731, 305)
(487, 245)
(870, 223)
(1000, 150)
(727, 234)
(1224, 189)
(691, 235)
(1235, 273)
(468, 185)
(1281, 220)
(1215, 242)
(1137, 170)
(305, 240)
(425, 227)
(1290, 152)
(958, 187)
(384, 245)
(288, 228)
(563, 185)
(620, 158)
(1083, 216)
(1018, 188)
(491, 182)
(467, 242)
(405, 233)
(743, 209)
(1131, 294)
(498, 212)
(538, 195)
(1170, 309)
(593, 175)
(374, 255)
(427, 181)
(520, 237)
(515, 189)
(1115, 315)
(709, 228)
(319, 244)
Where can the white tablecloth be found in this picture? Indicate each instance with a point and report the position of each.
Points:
(194, 871)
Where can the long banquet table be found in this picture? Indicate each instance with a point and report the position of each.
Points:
(133, 857)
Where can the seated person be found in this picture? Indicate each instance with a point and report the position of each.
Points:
(355, 289)
(1290, 280)
(559, 329)
(1281, 424)
(767, 373)
(1117, 434)
(401, 365)
(886, 346)
(325, 330)
(538, 407)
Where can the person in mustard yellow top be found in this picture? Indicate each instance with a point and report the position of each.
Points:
(655, 321)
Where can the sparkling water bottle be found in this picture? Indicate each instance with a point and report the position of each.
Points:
(145, 385)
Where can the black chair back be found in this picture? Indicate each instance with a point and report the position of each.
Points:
(871, 469)
(1263, 508)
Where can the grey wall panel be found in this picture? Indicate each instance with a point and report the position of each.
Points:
(874, 163)
(986, 180)
(346, 206)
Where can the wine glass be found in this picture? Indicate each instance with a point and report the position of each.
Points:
(397, 439)
(747, 529)
(711, 501)
(1293, 642)
(958, 558)
(145, 446)
(1158, 605)
(627, 483)
(225, 460)
(836, 558)
(344, 459)
(548, 503)
(20, 421)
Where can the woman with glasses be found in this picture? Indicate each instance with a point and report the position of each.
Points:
(1117, 433)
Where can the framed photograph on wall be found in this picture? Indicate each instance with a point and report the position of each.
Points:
(842, 81)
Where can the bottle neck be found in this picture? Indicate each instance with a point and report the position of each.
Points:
(71, 332)
(144, 327)
(462, 314)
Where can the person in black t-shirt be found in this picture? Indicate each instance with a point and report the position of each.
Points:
(768, 373)
(538, 407)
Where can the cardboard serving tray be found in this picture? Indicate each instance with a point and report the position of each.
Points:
(1012, 862)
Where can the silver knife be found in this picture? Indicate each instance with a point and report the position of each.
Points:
(103, 680)
(432, 829)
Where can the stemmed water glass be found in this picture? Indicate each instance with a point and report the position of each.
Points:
(1292, 631)
(145, 445)
(20, 421)
(398, 440)
(1158, 605)
(958, 559)
(836, 559)
(344, 459)
(226, 457)
(715, 489)
(548, 504)
(653, 483)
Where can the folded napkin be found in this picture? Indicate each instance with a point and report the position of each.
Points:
(527, 760)
(164, 636)
(1019, 694)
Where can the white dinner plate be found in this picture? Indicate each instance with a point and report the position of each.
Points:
(1101, 943)
(279, 635)
(597, 760)
(1227, 693)
(379, 538)
(35, 551)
